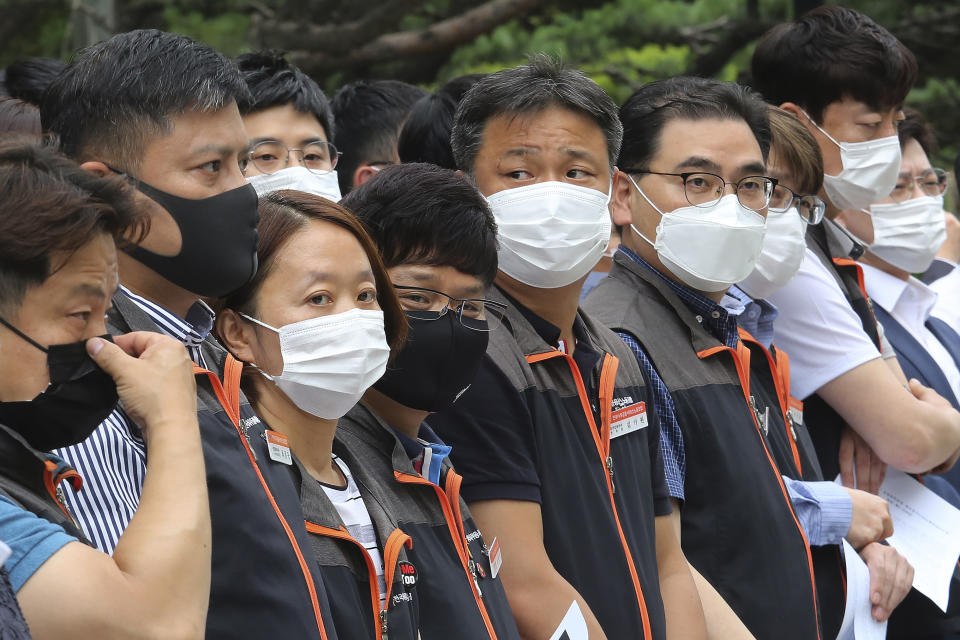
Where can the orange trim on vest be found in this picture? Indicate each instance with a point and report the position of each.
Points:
(741, 367)
(845, 262)
(230, 401)
(601, 438)
(455, 527)
(396, 541)
(50, 468)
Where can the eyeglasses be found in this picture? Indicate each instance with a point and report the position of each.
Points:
(931, 182)
(810, 208)
(271, 156)
(428, 304)
(705, 189)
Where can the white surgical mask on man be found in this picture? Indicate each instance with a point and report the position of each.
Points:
(908, 234)
(330, 361)
(869, 171)
(551, 234)
(708, 248)
(297, 178)
(780, 258)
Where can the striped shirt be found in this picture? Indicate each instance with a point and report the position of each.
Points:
(113, 460)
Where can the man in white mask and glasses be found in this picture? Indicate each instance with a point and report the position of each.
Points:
(557, 439)
(845, 78)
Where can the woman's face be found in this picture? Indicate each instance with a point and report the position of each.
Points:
(321, 270)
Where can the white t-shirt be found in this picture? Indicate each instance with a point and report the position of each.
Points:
(818, 329)
(910, 303)
(353, 512)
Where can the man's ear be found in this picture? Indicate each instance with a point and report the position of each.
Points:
(620, 200)
(363, 173)
(235, 334)
(96, 167)
(795, 110)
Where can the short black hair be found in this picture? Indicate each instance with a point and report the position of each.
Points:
(647, 111)
(119, 94)
(831, 53)
(530, 88)
(420, 213)
(369, 116)
(50, 204)
(915, 127)
(28, 78)
(425, 136)
(274, 82)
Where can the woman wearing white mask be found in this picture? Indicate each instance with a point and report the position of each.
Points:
(903, 233)
(290, 125)
(315, 329)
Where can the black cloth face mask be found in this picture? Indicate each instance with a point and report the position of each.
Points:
(81, 395)
(438, 362)
(218, 236)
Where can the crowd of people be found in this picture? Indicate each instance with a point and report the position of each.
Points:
(453, 365)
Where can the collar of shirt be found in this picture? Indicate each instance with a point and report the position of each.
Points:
(191, 331)
(711, 315)
(910, 301)
(427, 452)
(756, 317)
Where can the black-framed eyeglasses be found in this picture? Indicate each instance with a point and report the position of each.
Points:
(270, 156)
(705, 189)
(478, 314)
(811, 208)
(931, 182)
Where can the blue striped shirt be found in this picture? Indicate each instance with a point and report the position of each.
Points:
(113, 460)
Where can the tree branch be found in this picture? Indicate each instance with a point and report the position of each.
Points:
(441, 36)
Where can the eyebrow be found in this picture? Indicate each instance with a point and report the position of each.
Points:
(521, 151)
(698, 162)
(476, 291)
(91, 290)
(216, 148)
(752, 168)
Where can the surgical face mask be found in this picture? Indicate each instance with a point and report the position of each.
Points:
(551, 233)
(218, 240)
(298, 178)
(79, 397)
(708, 248)
(869, 171)
(782, 253)
(908, 234)
(330, 361)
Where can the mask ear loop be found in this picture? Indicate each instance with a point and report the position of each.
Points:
(23, 335)
(265, 326)
(821, 130)
(650, 202)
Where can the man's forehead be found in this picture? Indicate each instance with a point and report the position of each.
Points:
(551, 128)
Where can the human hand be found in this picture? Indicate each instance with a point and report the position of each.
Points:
(950, 250)
(856, 455)
(154, 376)
(871, 521)
(891, 577)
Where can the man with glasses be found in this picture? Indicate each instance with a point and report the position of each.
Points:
(692, 195)
(557, 438)
(290, 125)
(438, 241)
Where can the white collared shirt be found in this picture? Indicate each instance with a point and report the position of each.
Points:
(910, 302)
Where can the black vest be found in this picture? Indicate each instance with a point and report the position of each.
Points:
(739, 529)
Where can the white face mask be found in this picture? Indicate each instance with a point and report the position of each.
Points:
(782, 253)
(908, 234)
(330, 361)
(869, 171)
(298, 178)
(551, 233)
(708, 248)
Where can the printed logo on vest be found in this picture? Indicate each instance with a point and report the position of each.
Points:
(408, 575)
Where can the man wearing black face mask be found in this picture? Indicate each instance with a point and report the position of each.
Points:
(58, 269)
(175, 133)
(437, 239)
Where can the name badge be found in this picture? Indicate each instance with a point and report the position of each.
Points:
(627, 420)
(496, 558)
(795, 411)
(278, 447)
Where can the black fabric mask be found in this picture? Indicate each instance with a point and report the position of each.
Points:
(81, 395)
(218, 235)
(438, 362)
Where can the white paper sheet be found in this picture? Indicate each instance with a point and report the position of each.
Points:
(926, 531)
(858, 623)
(573, 626)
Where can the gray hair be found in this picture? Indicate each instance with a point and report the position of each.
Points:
(541, 83)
